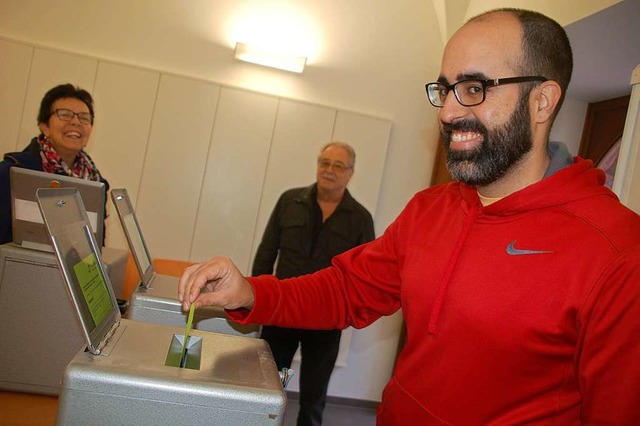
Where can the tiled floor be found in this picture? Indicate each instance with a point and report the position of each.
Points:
(335, 415)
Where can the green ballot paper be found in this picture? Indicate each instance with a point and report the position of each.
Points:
(93, 287)
(187, 329)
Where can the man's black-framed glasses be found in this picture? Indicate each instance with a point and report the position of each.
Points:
(67, 115)
(470, 92)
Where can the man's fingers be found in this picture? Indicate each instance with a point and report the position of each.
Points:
(184, 280)
(225, 285)
(189, 286)
(195, 278)
(207, 299)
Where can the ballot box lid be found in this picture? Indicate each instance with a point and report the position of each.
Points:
(81, 264)
(133, 232)
(28, 228)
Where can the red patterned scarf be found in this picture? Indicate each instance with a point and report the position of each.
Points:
(83, 166)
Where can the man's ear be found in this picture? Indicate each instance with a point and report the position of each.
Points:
(547, 96)
(351, 173)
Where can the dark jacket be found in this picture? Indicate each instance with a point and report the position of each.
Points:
(289, 234)
(29, 158)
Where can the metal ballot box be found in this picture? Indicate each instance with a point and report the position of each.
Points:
(236, 381)
(156, 300)
(38, 329)
(148, 374)
(159, 304)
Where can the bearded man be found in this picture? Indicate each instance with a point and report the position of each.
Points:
(519, 282)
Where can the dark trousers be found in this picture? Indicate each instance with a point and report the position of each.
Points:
(319, 350)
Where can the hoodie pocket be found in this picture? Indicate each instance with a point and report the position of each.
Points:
(400, 408)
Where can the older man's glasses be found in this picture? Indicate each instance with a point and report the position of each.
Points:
(470, 92)
(67, 115)
(337, 166)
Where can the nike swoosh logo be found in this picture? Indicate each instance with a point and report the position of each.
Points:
(513, 251)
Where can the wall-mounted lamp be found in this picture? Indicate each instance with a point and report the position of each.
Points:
(255, 55)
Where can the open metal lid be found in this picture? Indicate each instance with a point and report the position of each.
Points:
(81, 265)
(132, 230)
(27, 223)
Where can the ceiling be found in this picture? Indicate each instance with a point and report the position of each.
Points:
(606, 44)
(606, 49)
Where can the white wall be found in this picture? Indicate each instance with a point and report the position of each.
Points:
(565, 11)
(569, 123)
(627, 177)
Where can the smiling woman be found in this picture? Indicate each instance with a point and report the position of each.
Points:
(65, 120)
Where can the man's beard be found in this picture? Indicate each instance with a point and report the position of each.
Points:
(500, 149)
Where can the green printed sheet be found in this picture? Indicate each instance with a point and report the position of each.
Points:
(93, 288)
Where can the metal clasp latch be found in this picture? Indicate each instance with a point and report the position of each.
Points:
(285, 375)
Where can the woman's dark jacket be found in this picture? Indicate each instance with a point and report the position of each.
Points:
(29, 158)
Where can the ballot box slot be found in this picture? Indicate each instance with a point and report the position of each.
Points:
(192, 355)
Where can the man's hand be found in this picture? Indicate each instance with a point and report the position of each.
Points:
(216, 282)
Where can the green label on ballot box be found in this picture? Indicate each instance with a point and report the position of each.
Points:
(93, 287)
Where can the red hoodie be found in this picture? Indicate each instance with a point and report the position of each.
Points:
(526, 311)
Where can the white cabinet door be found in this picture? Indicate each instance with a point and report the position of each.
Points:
(234, 176)
(125, 97)
(174, 164)
(369, 137)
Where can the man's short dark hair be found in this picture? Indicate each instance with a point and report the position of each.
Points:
(546, 48)
(63, 91)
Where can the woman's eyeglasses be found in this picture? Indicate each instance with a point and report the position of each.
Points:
(67, 115)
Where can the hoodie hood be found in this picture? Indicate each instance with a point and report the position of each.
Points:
(567, 179)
